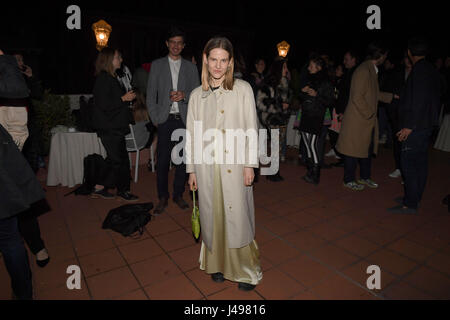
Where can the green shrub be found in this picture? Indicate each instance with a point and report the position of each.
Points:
(52, 110)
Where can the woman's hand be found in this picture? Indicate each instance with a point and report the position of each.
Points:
(192, 182)
(305, 89)
(285, 106)
(129, 96)
(312, 92)
(249, 176)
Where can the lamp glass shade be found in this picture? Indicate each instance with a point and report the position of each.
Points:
(102, 31)
(283, 49)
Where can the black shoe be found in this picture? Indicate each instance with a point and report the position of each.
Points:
(104, 194)
(181, 203)
(246, 286)
(43, 263)
(314, 175)
(127, 196)
(160, 207)
(217, 277)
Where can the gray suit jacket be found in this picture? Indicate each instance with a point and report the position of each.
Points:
(160, 84)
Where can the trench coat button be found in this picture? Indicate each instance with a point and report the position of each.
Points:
(229, 171)
(223, 130)
(226, 151)
(222, 111)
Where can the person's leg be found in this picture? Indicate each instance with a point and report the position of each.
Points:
(410, 169)
(283, 143)
(30, 231)
(179, 182)
(16, 259)
(320, 144)
(422, 161)
(350, 164)
(163, 160)
(124, 174)
(116, 154)
(365, 166)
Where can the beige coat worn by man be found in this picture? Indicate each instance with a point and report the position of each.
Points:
(360, 117)
(224, 110)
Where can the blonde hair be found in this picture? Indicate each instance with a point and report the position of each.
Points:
(225, 44)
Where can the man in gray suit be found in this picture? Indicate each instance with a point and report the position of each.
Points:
(170, 83)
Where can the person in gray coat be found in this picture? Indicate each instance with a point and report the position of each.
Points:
(170, 84)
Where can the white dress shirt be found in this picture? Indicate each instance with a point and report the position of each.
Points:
(174, 70)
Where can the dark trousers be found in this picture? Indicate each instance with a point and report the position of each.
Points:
(117, 159)
(414, 166)
(312, 147)
(350, 163)
(16, 258)
(322, 139)
(164, 151)
(30, 231)
(392, 115)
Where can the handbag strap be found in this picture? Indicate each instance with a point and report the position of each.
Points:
(193, 197)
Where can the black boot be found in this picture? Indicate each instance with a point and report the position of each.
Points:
(314, 177)
(308, 174)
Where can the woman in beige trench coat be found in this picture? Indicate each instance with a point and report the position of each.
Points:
(359, 130)
(223, 172)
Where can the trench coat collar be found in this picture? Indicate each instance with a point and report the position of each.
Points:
(205, 94)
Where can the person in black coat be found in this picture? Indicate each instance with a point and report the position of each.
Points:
(419, 108)
(315, 98)
(19, 188)
(394, 81)
(111, 117)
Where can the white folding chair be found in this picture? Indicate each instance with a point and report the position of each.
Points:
(136, 148)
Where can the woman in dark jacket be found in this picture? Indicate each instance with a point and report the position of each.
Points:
(315, 97)
(272, 104)
(111, 117)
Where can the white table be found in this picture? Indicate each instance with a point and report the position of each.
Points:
(67, 152)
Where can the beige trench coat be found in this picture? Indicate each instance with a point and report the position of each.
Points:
(360, 117)
(224, 110)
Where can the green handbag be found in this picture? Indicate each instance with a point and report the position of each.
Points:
(195, 220)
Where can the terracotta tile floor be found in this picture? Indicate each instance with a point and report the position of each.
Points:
(316, 242)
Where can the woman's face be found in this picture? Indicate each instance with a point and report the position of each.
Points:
(217, 62)
(285, 70)
(260, 66)
(117, 60)
(313, 67)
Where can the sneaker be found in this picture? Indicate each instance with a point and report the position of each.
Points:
(395, 174)
(354, 186)
(127, 196)
(330, 153)
(368, 182)
(104, 194)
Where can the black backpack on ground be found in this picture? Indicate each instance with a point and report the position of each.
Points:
(128, 219)
(95, 171)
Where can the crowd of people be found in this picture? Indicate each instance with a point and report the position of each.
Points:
(340, 101)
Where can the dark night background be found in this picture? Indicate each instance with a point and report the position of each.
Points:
(64, 58)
